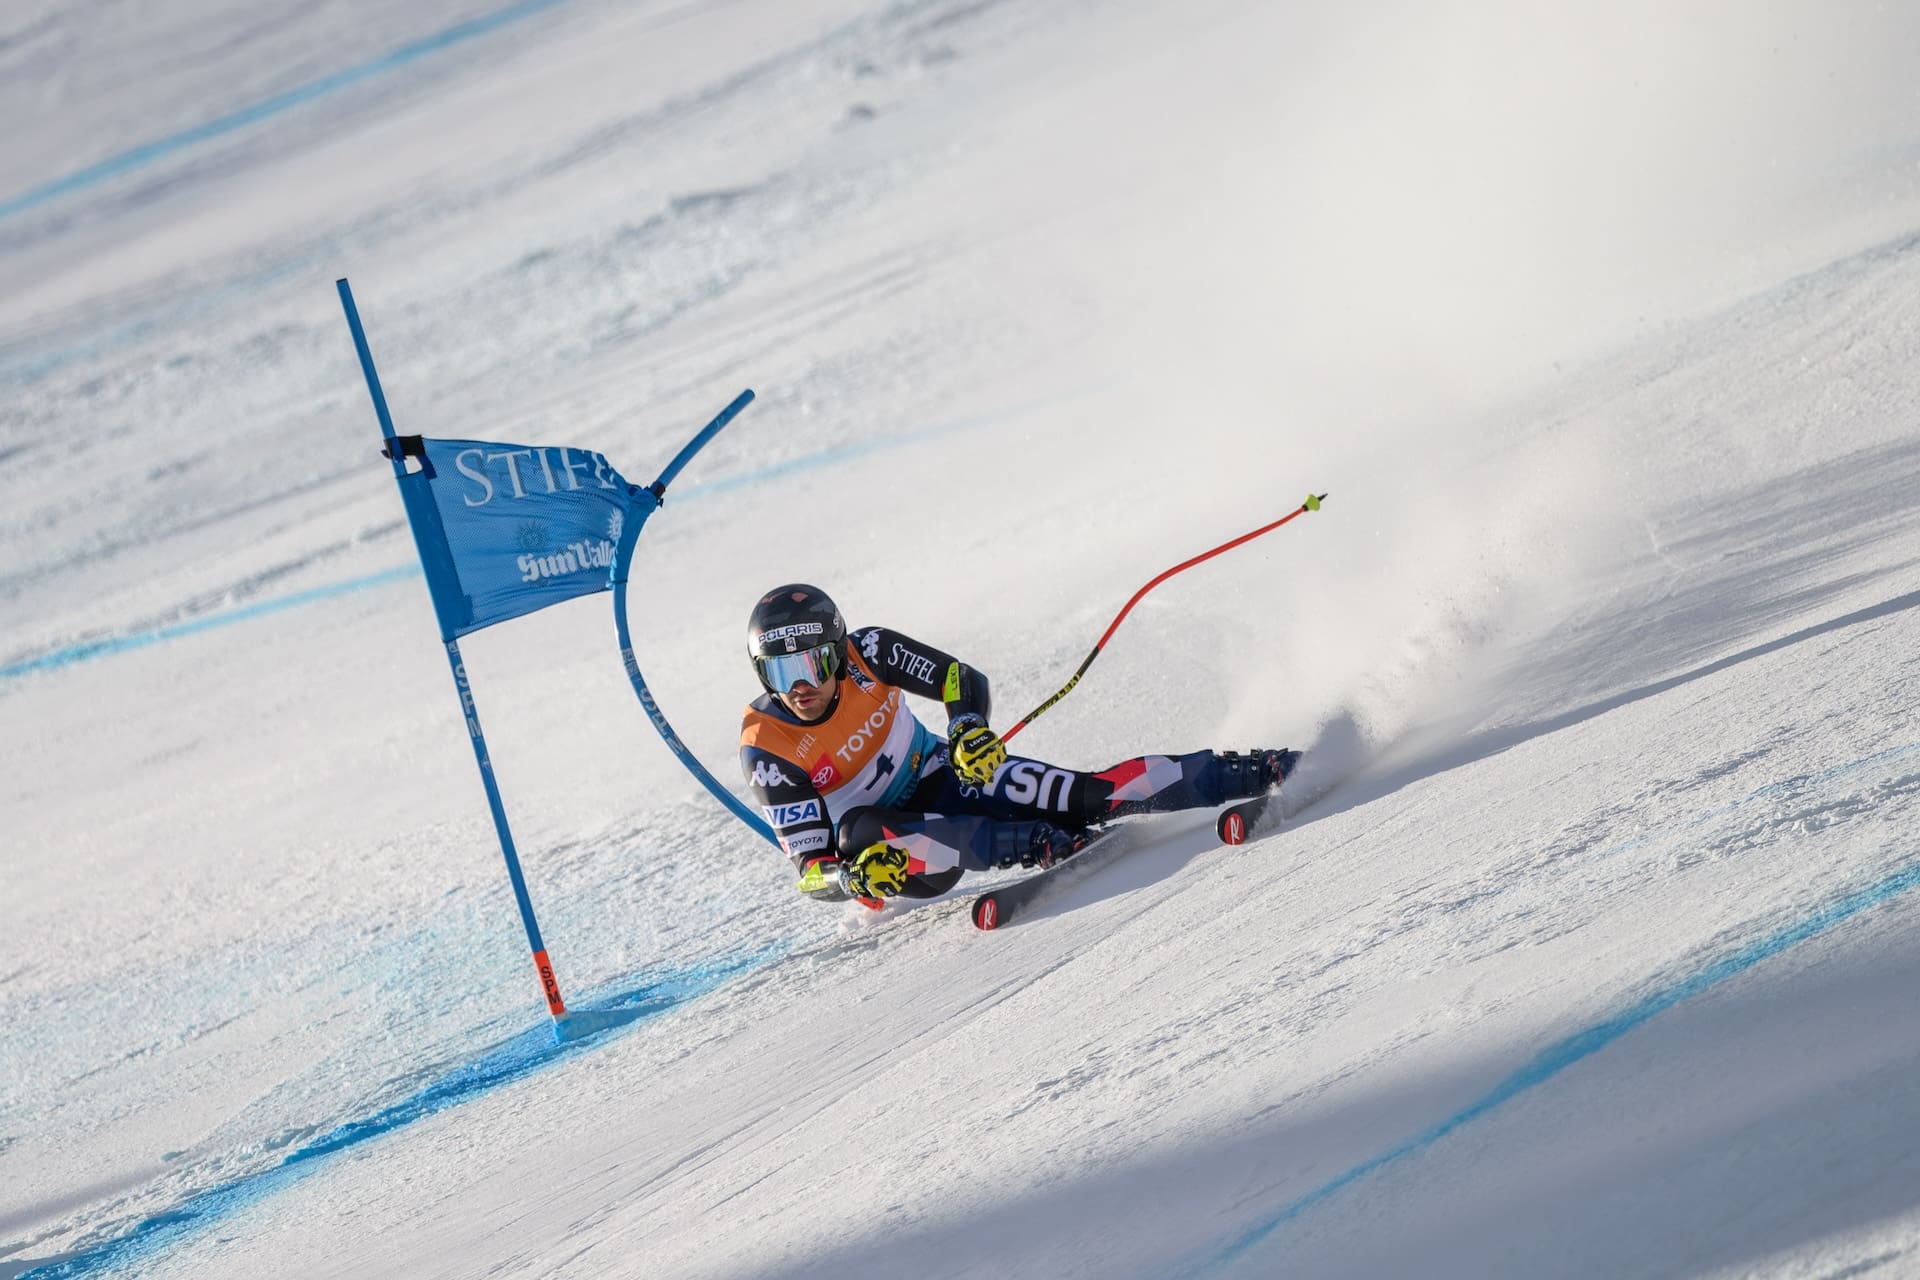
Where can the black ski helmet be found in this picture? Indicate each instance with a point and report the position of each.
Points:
(790, 619)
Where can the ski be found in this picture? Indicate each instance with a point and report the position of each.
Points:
(1237, 823)
(996, 907)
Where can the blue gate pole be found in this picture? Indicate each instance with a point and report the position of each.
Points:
(548, 984)
(643, 504)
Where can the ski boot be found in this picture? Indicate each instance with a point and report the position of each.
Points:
(1035, 844)
(1243, 777)
(1248, 785)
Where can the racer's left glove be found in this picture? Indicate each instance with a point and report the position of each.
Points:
(877, 871)
(975, 750)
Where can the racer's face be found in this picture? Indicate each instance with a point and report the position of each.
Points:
(803, 679)
(810, 701)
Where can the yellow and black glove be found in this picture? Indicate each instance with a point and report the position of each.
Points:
(877, 871)
(975, 750)
(820, 878)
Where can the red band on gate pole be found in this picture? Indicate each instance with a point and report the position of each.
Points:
(549, 984)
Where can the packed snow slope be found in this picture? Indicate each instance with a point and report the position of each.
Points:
(1589, 947)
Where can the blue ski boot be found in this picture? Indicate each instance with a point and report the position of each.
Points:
(1035, 844)
(1243, 777)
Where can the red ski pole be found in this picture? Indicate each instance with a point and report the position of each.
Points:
(1311, 504)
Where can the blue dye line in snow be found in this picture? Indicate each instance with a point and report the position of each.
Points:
(1574, 1049)
(142, 156)
(501, 1065)
(139, 640)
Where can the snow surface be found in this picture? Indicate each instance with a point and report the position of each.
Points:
(1590, 949)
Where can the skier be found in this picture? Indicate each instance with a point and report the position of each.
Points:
(868, 803)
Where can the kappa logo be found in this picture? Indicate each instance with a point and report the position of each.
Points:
(767, 774)
(870, 644)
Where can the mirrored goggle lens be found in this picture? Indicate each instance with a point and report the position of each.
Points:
(782, 671)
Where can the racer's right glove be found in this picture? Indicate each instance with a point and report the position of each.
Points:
(820, 878)
(975, 750)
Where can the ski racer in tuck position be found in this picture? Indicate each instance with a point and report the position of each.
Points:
(868, 803)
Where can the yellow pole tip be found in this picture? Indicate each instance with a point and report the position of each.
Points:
(1312, 503)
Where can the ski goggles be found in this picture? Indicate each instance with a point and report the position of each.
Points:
(781, 671)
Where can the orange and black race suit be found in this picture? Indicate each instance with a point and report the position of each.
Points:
(868, 770)
(869, 749)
